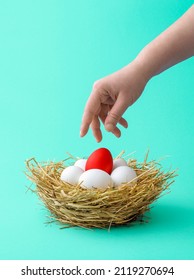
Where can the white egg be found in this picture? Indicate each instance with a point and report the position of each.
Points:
(71, 174)
(81, 163)
(123, 174)
(119, 162)
(95, 178)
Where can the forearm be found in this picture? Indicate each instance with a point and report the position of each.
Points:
(172, 46)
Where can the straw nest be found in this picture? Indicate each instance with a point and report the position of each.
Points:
(98, 208)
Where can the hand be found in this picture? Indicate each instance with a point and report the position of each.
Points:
(110, 98)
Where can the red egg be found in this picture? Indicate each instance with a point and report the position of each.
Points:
(100, 159)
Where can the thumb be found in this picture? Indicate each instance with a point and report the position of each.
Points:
(115, 114)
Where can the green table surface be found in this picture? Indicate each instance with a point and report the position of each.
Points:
(51, 52)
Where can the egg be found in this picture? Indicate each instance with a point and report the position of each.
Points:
(123, 174)
(71, 174)
(95, 178)
(100, 159)
(81, 163)
(119, 162)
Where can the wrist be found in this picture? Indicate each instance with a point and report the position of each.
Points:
(144, 67)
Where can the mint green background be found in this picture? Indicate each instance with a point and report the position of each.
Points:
(51, 52)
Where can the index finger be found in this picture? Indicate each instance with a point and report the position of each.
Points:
(92, 109)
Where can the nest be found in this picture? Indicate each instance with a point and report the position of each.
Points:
(73, 205)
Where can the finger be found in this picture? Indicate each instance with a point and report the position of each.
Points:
(91, 109)
(86, 121)
(123, 122)
(116, 130)
(115, 114)
(95, 126)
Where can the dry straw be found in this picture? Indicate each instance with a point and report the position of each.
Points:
(98, 208)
